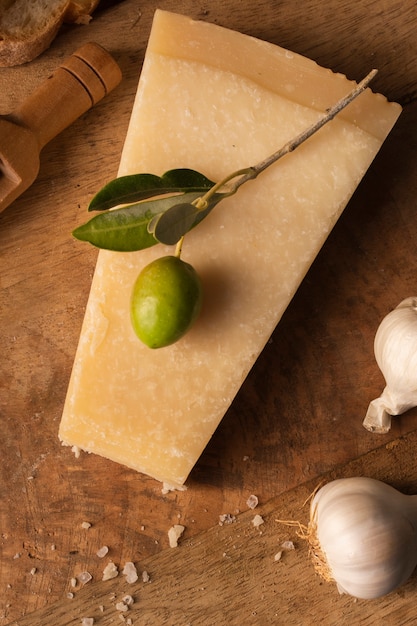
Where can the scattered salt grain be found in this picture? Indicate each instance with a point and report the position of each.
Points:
(33, 571)
(87, 621)
(226, 518)
(285, 547)
(110, 571)
(130, 572)
(70, 595)
(174, 534)
(84, 578)
(145, 576)
(86, 525)
(121, 606)
(128, 600)
(77, 452)
(102, 552)
(252, 502)
(73, 582)
(257, 521)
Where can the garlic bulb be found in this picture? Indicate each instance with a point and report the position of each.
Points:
(363, 535)
(395, 349)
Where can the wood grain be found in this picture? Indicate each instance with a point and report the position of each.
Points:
(229, 574)
(298, 414)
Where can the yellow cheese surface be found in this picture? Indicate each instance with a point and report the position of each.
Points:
(215, 101)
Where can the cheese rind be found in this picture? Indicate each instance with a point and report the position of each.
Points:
(201, 104)
(276, 69)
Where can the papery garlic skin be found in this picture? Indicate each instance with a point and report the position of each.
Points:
(395, 348)
(367, 532)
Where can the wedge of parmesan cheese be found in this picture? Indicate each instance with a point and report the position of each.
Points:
(215, 101)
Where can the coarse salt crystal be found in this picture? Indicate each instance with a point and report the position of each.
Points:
(128, 600)
(252, 502)
(121, 606)
(84, 577)
(102, 552)
(226, 518)
(130, 572)
(257, 521)
(145, 576)
(110, 571)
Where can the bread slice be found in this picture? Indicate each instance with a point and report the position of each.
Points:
(27, 27)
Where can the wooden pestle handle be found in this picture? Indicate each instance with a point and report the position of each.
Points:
(73, 88)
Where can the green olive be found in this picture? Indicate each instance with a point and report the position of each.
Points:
(166, 300)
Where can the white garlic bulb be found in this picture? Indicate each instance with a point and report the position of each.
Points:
(395, 349)
(363, 535)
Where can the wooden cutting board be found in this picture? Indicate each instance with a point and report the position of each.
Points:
(230, 574)
(297, 416)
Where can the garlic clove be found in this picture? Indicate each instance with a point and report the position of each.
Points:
(395, 348)
(363, 535)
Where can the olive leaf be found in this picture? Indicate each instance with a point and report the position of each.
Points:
(168, 227)
(137, 187)
(126, 229)
(144, 222)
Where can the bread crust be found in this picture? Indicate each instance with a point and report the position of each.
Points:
(80, 11)
(18, 46)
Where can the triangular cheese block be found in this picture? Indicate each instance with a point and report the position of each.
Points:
(215, 101)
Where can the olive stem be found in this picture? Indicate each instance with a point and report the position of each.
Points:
(178, 247)
(250, 173)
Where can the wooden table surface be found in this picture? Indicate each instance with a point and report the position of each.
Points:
(299, 413)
